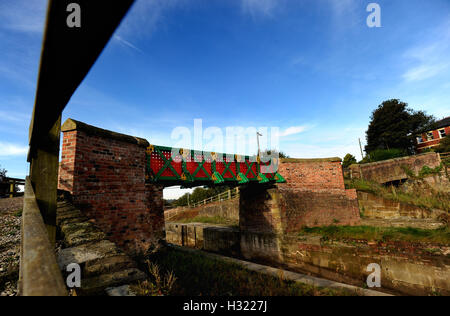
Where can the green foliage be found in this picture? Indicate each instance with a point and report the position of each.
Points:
(210, 220)
(444, 145)
(410, 173)
(270, 152)
(158, 285)
(2, 172)
(384, 154)
(422, 196)
(200, 275)
(200, 194)
(349, 160)
(394, 125)
(438, 236)
(426, 171)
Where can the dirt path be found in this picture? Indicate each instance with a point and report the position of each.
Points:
(10, 221)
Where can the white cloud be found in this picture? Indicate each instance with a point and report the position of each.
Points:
(424, 71)
(259, 7)
(341, 7)
(8, 149)
(430, 58)
(14, 117)
(126, 43)
(293, 130)
(300, 150)
(145, 16)
(172, 193)
(23, 15)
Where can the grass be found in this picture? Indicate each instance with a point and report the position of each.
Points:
(437, 236)
(210, 220)
(421, 196)
(196, 274)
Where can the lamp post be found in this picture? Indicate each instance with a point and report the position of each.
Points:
(258, 134)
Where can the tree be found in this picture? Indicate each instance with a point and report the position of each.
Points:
(394, 125)
(4, 187)
(349, 159)
(200, 194)
(2, 172)
(273, 152)
(444, 145)
(384, 154)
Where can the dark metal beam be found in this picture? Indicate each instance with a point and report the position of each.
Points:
(67, 56)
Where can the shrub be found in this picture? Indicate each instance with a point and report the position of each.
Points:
(444, 145)
(349, 160)
(385, 154)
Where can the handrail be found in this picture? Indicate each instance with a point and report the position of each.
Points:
(12, 182)
(224, 196)
(67, 56)
(39, 271)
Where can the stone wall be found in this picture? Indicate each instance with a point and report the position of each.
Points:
(213, 238)
(228, 209)
(373, 206)
(104, 267)
(394, 169)
(314, 195)
(406, 267)
(105, 173)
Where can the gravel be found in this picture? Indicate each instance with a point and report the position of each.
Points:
(10, 222)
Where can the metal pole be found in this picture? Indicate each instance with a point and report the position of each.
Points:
(257, 139)
(360, 147)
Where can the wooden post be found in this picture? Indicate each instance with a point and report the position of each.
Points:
(11, 189)
(229, 194)
(44, 176)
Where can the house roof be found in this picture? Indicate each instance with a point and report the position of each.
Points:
(443, 123)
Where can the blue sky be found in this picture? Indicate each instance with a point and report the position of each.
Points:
(312, 68)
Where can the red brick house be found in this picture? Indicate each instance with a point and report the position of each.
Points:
(433, 138)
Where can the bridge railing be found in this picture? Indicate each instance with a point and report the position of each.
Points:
(67, 56)
(224, 196)
(39, 272)
(175, 166)
(445, 156)
(10, 184)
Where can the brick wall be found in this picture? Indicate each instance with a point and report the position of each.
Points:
(393, 169)
(314, 195)
(105, 172)
(312, 174)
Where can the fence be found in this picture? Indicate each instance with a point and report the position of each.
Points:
(8, 187)
(224, 196)
(67, 56)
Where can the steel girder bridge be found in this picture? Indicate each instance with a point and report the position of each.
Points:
(189, 168)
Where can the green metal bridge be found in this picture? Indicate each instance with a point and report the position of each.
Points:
(172, 166)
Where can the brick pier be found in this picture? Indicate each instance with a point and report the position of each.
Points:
(105, 173)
